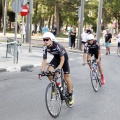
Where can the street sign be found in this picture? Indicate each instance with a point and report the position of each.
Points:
(25, 10)
(19, 6)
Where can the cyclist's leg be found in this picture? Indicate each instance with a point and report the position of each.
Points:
(66, 70)
(52, 65)
(99, 63)
(100, 68)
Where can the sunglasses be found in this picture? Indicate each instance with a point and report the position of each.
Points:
(90, 40)
(45, 40)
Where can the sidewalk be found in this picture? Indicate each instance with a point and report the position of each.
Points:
(26, 60)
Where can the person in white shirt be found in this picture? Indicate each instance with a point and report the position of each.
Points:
(118, 39)
(38, 29)
(84, 38)
(104, 33)
(23, 32)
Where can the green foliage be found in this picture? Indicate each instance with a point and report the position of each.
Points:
(44, 9)
(0, 7)
(11, 16)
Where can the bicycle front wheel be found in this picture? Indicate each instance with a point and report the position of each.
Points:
(118, 51)
(53, 100)
(94, 80)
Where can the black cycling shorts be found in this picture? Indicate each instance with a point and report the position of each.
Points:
(55, 62)
(118, 44)
(91, 53)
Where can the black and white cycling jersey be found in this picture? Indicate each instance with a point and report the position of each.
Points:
(94, 47)
(56, 50)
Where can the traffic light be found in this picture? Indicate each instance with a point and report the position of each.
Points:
(78, 9)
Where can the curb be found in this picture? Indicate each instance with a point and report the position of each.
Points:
(3, 70)
(20, 68)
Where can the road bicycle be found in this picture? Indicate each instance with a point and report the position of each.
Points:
(118, 51)
(55, 94)
(95, 75)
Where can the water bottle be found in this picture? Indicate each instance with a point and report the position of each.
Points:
(59, 85)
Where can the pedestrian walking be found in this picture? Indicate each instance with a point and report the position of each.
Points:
(73, 37)
(69, 37)
(108, 38)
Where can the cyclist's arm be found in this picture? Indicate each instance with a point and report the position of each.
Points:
(62, 59)
(99, 54)
(44, 58)
(43, 64)
(84, 57)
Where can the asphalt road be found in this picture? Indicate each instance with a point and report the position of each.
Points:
(22, 95)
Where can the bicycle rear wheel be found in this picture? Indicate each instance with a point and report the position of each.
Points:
(94, 80)
(118, 51)
(53, 100)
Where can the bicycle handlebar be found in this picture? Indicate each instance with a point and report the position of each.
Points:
(49, 73)
(90, 61)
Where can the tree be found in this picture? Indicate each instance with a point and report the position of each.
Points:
(0, 12)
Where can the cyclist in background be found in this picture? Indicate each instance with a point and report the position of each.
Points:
(59, 61)
(93, 48)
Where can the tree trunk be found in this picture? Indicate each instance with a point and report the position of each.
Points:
(57, 19)
(53, 18)
(0, 21)
(49, 21)
(3, 4)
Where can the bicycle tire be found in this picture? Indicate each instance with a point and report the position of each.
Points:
(99, 78)
(54, 112)
(66, 93)
(94, 80)
(118, 51)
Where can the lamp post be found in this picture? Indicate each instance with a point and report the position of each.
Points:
(29, 23)
(99, 19)
(5, 17)
(81, 21)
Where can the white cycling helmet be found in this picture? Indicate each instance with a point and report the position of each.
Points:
(90, 37)
(49, 35)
